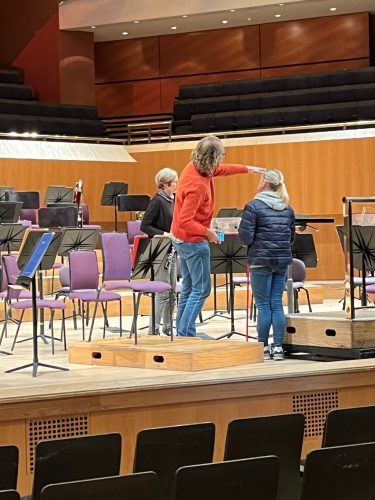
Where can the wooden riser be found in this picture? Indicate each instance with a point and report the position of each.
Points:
(331, 330)
(163, 354)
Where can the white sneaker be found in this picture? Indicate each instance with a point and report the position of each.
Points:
(266, 353)
(278, 353)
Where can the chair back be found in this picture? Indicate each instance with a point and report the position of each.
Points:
(251, 478)
(116, 257)
(279, 435)
(342, 472)
(346, 426)
(298, 271)
(9, 495)
(133, 228)
(64, 276)
(76, 459)
(28, 214)
(166, 449)
(8, 467)
(83, 270)
(10, 271)
(132, 487)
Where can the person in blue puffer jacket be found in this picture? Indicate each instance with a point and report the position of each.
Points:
(267, 228)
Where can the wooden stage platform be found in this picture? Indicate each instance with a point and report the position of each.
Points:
(96, 399)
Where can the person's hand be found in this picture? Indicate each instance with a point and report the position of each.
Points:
(212, 236)
(255, 170)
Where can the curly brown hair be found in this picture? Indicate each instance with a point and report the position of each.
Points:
(207, 154)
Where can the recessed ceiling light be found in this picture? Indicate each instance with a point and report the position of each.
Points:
(224, 21)
(173, 27)
(184, 16)
(93, 27)
(232, 10)
(124, 33)
(277, 15)
(281, 4)
(332, 9)
(136, 22)
(249, 18)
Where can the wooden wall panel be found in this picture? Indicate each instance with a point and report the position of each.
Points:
(209, 51)
(315, 40)
(315, 68)
(128, 98)
(169, 86)
(124, 60)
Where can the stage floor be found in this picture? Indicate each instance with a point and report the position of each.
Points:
(90, 399)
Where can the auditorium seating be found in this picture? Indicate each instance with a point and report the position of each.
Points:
(276, 102)
(21, 112)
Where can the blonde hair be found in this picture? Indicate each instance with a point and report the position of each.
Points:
(164, 176)
(207, 154)
(275, 180)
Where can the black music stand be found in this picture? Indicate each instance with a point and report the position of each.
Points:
(3, 190)
(11, 236)
(58, 216)
(77, 239)
(363, 241)
(229, 212)
(150, 255)
(10, 211)
(303, 248)
(58, 194)
(26, 277)
(110, 193)
(30, 199)
(229, 257)
(133, 202)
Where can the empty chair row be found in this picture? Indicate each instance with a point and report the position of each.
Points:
(279, 117)
(276, 84)
(36, 108)
(10, 76)
(50, 125)
(184, 109)
(16, 91)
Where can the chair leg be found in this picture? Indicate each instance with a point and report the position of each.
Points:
(134, 330)
(74, 315)
(83, 320)
(63, 328)
(120, 310)
(308, 299)
(93, 320)
(5, 327)
(296, 304)
(170, 313)
(105, 318)
(18, 329)
(52, 311)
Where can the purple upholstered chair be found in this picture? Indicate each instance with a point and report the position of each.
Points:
(298, 277)
(117, 273)
(28, 214)
(14, 302)
(84, 286)
(133, 228)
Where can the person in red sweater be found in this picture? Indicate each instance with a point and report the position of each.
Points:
(190, 230)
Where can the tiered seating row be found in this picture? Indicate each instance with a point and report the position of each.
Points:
(20, 112)
(274, 102)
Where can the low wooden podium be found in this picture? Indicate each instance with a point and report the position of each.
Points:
(183, 354)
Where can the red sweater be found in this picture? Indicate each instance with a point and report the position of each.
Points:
(195, 201)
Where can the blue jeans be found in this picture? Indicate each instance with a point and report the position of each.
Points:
(268, 284)
(196, 284)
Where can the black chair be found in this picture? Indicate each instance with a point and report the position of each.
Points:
(76, 459)
(134, 487)
(166, 449)
(9, 495)
(8, 467)
(342, 473)
(279, 435)
(247, 479)
(347, 426)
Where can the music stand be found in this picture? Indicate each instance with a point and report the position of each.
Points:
(133, 202)
(58, 216)
(150, 256)
(30, 199)
(229, 257)
(303, 248)
(10, 211)
(77, 239)
(229, 212)
(58, 194)
(110, 193)
(363, 244)
(26, 277)
(3, 190)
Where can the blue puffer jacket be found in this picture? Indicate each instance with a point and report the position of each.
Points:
(267, 228)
